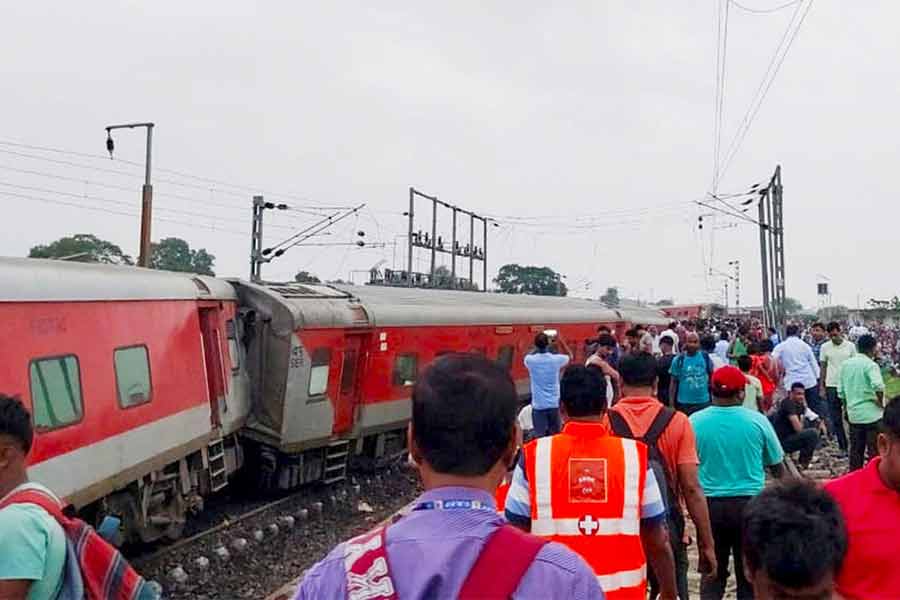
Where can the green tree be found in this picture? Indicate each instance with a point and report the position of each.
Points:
(611, 297)
(174, 254)
(539, 281)
(306, 277)
(82, 247)
(791, 306)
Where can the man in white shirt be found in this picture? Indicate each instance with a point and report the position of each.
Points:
(832, 355)
(799, 365)
(722, 346)
(670, 332)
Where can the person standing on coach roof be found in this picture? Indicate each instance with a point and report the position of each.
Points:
(543, 370)
(870, 501)
(453, 544)
(32, 543)
(639, 415)
(735, 446)
(795, 543)
(595, 493)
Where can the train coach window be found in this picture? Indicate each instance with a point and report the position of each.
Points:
(505, 356)
(406, 369)
(132, 366)
(234, 351)
(318, 371)
(56, 392)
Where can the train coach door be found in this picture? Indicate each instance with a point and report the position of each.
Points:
(211, 333)
(353, 361)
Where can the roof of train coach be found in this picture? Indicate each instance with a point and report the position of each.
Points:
(384, 306)
(44, 280)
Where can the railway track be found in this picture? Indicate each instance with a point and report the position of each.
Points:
(248, 555)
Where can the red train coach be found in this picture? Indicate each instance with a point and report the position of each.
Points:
(333, 366)
(133, 380)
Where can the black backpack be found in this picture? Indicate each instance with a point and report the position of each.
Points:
(655, 459)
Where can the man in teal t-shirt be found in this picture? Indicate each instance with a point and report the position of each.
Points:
(32, 544)
(690, 373)
(734, 446)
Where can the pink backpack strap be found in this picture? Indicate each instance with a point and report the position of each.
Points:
(367, 569)
(503, 561)
(39, 498)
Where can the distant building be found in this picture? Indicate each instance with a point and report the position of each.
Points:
(884, 316)
(687, 312)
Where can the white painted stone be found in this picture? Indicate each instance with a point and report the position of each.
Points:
(178, 575)
(201, 562)
(258, 535)
(287, 521)
(272, 529)
(222, 553)
(239, 544)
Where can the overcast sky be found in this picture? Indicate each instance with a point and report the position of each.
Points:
(597, 117)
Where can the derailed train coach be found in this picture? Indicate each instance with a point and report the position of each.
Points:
(133, 378)
(149, 390)
(333, 366)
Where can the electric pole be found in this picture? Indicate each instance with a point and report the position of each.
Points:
(771, 249)
(258, 256)
(737, 284)
(146, 192)
(434, 243)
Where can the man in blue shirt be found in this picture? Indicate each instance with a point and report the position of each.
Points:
(734, 445)
(543, 369)
(690, 371)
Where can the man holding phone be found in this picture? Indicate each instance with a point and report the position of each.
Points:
(543, 370)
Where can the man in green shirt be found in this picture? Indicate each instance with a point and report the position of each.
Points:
(861, 387)
(32, 544)
(832, 355)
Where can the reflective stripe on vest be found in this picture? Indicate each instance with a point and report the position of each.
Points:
(586, 492)
(546, 525)
(622, 579)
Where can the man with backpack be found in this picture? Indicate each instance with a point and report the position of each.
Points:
(32, 543)
(691, 371)
(453, 544)
(44, 554)
(672, 454)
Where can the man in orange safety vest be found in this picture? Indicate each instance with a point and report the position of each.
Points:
(595, 493)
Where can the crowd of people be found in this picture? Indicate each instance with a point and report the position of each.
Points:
(623, 448)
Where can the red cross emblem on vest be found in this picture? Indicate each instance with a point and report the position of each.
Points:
(587, 525)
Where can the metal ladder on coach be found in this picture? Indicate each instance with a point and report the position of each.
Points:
(218, 470)
(336, 461)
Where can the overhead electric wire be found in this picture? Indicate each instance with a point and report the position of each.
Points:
(765, 11)
(787, 40)
(722, 67)
(130, 189)
(183, 174)
(130, 204)
(323, 227)
(116, 212)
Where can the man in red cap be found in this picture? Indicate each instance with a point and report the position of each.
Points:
(735, 445)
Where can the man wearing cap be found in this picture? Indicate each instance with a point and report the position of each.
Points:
(735, 445)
